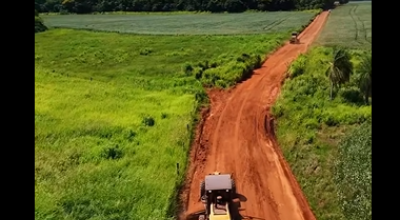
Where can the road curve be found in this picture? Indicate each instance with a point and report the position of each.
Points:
(237, 137)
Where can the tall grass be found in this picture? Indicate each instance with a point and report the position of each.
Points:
(110, 56)
(96, 155)
(310, 126)
(114, 115)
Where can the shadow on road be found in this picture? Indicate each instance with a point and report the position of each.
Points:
(236, 208)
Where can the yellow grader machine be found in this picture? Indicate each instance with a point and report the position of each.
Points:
(294, 39)
(217, 192)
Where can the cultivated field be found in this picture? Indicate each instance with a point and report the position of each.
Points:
(114, 113)
(348, 25)
(188, 24)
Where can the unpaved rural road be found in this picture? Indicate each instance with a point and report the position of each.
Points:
(237, 137)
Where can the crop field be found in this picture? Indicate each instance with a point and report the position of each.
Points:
(185, 24)
(348, 25)
(114, 115)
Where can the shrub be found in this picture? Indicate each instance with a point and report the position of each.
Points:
(113, 153)
(226, 71)
(148, 121)
(352, 95)
(298, 66)
(39, 26)
(145, 51)
(187, 68)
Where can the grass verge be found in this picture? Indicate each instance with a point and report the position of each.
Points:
(114, 115)
(310, 127)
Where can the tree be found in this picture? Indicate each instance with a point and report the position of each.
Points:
(365, 78)
(339, 69)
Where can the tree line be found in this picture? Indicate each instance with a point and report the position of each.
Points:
(90, 6)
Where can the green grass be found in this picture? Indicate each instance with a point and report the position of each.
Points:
(348, 25)
(186, 24)
(94, 156)
(214, 60)
(310, 127)
(97, 153)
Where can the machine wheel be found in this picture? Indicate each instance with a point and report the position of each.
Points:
(233, 191)
(202, 188)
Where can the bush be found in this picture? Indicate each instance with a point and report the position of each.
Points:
(39, 26)
(354, 173)
(148, 121)
(298, 66)
(113, 153)
(187, 68)
(352, 95)
(145, 51)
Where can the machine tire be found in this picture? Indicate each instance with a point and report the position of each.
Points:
(202, 188)
(233, 191)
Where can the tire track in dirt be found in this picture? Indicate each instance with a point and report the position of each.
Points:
(238, 137)
(352, 13)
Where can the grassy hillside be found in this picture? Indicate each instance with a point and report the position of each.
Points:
(114, 114)
(186, 24)
(310, 126)
(349, 26)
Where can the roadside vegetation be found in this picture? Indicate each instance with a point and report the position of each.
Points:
(39, 26)
(114, 115)
(324, 116)
(327, 95)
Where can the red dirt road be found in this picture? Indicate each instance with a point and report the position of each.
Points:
(237, 137)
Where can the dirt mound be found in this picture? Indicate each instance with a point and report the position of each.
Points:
(237, 137)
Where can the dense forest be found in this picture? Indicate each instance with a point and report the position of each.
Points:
(89, 6)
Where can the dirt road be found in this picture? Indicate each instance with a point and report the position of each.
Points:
(237, 136)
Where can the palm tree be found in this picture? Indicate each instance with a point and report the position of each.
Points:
(339, 69)
(365, 78)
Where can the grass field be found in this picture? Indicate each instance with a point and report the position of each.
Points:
(186, 24)
(348, 25)
(310, 126)
(114, 114)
